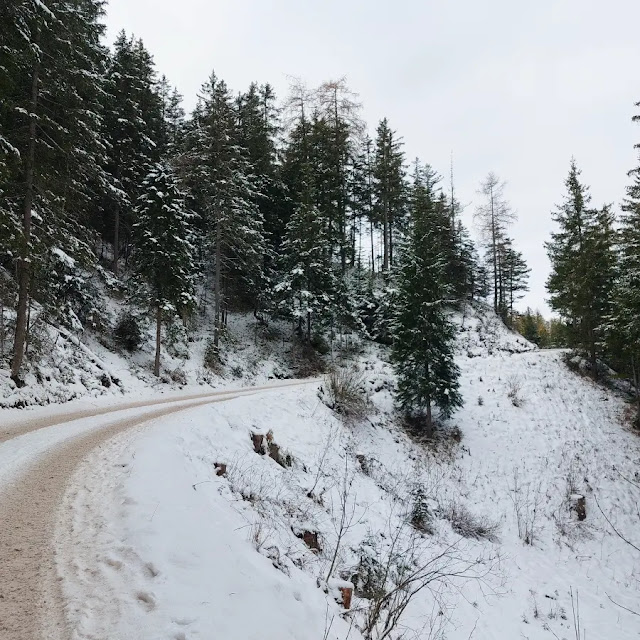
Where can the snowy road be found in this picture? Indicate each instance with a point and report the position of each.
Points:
(37, 457)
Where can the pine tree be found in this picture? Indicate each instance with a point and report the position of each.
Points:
(163, 257)
(423, 334)
(51, 62)
(583, 266)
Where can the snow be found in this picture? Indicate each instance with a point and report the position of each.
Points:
(153, 543)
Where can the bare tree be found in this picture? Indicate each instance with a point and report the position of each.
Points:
(411, 565)
(493, 217)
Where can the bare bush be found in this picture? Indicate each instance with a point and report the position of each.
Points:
(514, 391)
(344, 392)
(408, 566)
(527, 500)
(469, 525)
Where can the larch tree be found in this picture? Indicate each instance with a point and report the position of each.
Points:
(493, 217)
(164, 253)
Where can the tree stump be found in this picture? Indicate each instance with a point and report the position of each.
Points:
(258, 442)
(579, 506)
(311, 539)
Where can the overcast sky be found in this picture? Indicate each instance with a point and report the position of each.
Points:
(509, 86)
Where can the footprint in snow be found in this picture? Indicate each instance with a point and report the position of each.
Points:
(147, 600)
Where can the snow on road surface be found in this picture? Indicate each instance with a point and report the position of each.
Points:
(37, 457)
(152, 544)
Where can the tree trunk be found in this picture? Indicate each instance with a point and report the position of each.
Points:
(636, 385)
(592, 354)
(494, 252)
(156, 366)
(116, 240)
(373, 253)
(385, 233)
(27, 335)
(216, 328)
(309, 327)
(1, 330)
(24, 265)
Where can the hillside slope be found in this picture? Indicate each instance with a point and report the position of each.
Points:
(153, 544)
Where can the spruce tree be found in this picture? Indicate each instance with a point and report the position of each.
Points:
(225, 191)
(624, 329)
(51, 63)
(389, 187)
(163, 258)
(514, 276)
(423, 334)
(307, 286)
(583, 266)
(134, 132)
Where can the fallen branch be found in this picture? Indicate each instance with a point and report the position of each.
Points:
(635, 613)
(604, 515)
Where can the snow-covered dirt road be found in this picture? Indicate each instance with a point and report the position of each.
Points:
(37, 457)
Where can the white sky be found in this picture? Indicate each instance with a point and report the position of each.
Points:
(510, 86)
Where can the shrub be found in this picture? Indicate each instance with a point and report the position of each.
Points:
(320, 344)
(345, 393)
(468, 525)
(420, 516)
(212, 359)
(127, 332)
(176, 340)
(514, 391)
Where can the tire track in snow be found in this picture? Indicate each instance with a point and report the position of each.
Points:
(34, 424)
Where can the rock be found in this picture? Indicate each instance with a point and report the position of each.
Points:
(221, 469)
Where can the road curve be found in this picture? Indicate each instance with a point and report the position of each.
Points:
(33, 424)
(31, 604)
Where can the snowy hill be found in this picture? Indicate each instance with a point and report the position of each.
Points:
(480, 527)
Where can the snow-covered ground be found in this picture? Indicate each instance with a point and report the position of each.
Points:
(90, 365)
(152, 543)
